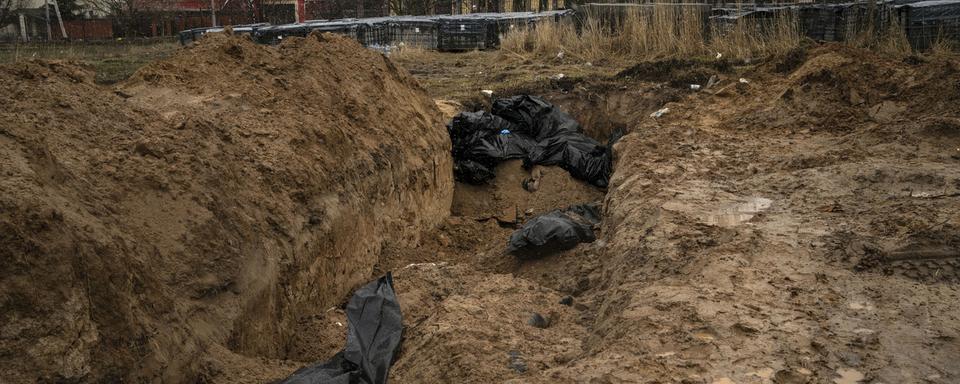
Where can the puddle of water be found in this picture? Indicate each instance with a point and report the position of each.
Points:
(848, 376)
(735, 214)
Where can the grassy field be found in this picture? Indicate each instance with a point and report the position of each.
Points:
(112, 60)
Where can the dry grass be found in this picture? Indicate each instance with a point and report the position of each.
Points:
(893, 39)
(409, 53)
(659, 31)
(673, 30)
(775, 35)
(113, 60)
(664, 30)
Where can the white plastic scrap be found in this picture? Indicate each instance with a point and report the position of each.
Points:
(487, 92)
(557, 76)
(425, 265)
(660, 112)
(744, 81)
(560, 55)
(695, 87)
(719, 55)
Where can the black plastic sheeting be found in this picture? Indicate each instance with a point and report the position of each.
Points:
(555, 231)
(529, 128)
(374, 333)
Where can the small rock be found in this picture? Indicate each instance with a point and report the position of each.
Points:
(789, 376)
(855, 97)
(530, 184)
(508, 216)
(568, 300)
(764, 373)
(746, 328)
(848, 376)
(443, 240)
(852, 359)
(538, 321)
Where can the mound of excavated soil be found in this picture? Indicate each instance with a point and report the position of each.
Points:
(734, 224)
(201, 213)
(739, 240)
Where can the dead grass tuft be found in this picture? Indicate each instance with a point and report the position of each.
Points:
(665, 31)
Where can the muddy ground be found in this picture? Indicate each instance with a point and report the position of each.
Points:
(743, 233)
(743, 240)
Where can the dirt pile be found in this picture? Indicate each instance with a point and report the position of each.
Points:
(201, 215)
(739, 238)
(732, 221)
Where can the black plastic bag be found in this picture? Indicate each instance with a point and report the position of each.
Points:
(529, 128)
(555, 231)
(374, 333)
(540, 119)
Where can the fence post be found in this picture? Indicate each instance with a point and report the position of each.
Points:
(23, 29)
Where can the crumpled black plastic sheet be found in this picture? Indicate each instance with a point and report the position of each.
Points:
(374, 334)
(529, 128)
(555, 231)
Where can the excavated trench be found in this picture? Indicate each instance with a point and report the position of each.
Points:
(206, 220)
(718, 260)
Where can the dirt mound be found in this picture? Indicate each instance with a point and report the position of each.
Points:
(202, 212)
(734, 234)
(721, 259)
(676, 72)
(834, 86)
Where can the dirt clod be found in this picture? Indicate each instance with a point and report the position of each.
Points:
(537, 320)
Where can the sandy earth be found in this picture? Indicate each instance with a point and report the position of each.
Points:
(192, 222)
(742, 233)
(744, 236)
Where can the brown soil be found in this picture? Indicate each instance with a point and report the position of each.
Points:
(742, 238)
(204, 214)
(739, 241)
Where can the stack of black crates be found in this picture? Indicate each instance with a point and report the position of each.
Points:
(440, 32)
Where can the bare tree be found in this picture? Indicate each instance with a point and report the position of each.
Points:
(128, 14)
(412, 7)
